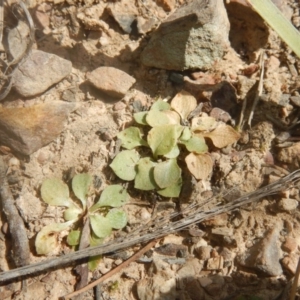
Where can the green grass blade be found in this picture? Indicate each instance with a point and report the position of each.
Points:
(274, 17)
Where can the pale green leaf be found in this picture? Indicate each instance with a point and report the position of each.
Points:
(196, 144)
(131, 137)
(47, 239)
(55, 192)
(167, 173)
(157, 118)
(184, 103)
(73, 238)
(72, 213)
(172, 191)
(113, 196)
(173, 153)
(124, 164)
(117, 218)
(95, 240)
(140, 117)
(160, 105)
(186, 134)
(144, 179)
(173, 116)
(162, 139)
(100, 226)
(81, 184)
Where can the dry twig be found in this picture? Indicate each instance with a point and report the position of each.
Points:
(123, 265)
(159, 227)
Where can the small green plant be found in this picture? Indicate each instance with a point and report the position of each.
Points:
(104, 216)
(151, 159)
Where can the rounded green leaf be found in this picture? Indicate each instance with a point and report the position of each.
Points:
(124, 164)
(47, 239)
(172, 191)
(55, 192)
(160, 105)
(117, 218)
(196, 144)
(80, 185)
(95, 240)
(113, 196)
(100, 226)
(186, 134)
(144, 179)
(157, 118)
(167, 173)
(72, 213)
(173, 153)
(162, 139)
(131, 137)
(140, 117)
(73, 238)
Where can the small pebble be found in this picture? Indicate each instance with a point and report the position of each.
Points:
(203, 252)
(287, 204)
(290, 245)
(290, 262)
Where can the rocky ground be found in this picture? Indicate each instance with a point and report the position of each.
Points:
(95, 63)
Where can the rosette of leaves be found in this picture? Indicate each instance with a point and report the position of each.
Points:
(104, 216)
(172, 128)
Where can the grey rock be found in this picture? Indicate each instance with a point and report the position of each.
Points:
(27, 129)
(40, 71)
(124, 12)
(194, 36)
(112, 81)
(264, 256)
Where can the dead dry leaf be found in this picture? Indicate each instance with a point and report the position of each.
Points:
(222, 136)
(184, 103)
(200, 165)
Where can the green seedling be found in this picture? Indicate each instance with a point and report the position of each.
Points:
(171, 131)
(104, 215)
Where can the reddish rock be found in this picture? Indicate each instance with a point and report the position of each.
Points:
(40, 71)
(27, 129)
(290, 245)
(112, 81)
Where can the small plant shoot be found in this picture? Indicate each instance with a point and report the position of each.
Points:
(104, 216)
(172, 134)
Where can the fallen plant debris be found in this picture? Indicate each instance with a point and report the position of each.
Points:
(157, 228)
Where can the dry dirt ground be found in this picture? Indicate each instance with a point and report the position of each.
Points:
(228, 257)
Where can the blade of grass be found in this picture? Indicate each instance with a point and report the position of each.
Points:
(274, 17)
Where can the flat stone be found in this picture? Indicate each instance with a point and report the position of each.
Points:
(27, 129)
(264, 256)
(194, 36)
(112, 81)
(40, 71)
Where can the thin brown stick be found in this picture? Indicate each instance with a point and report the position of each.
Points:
(123, 265)
(295, 282)
(260, 87)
